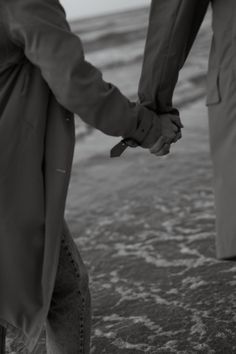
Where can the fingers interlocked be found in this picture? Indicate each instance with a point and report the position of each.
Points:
(171, 133)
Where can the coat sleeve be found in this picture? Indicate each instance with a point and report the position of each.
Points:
(40, 28)
(173, 26)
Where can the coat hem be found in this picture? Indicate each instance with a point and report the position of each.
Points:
(28, 343)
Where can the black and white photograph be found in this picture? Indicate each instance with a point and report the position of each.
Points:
(117, 177)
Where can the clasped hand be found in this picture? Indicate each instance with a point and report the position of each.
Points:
(170, 133)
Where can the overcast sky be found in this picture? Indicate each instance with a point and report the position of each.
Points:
(84, 8)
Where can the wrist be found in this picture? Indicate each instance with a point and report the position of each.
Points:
(144, 135)
(156, 106)
(149, 128)
(144, 119)
(153, 134)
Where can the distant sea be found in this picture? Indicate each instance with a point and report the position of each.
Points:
(82, 9)
(115, 42)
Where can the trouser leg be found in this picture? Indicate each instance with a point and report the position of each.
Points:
(222, 131)
(2, 339)
(68, 325)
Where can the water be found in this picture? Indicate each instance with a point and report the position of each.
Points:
(88, 8)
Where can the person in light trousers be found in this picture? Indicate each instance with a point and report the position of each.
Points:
(173, 26)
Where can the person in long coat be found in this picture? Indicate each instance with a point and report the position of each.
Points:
(173, 27)
(44, 80)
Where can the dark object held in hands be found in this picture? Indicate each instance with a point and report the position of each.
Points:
(119, 148)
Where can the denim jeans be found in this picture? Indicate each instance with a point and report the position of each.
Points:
(68, 324)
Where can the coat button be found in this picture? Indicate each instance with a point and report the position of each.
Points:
(68, 117)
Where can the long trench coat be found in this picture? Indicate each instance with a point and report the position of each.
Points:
(172, 30)
(44, 80)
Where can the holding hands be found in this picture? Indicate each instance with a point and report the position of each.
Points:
(170, 133)
(165, 131)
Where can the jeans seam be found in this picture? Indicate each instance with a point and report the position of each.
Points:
(66, 246)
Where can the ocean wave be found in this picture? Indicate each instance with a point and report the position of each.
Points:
(111, 30)
(117, 55)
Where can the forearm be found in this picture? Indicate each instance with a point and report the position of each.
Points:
(173, 26)
(40, 28)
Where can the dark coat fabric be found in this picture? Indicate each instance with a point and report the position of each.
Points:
(173, 27)
(44, 80)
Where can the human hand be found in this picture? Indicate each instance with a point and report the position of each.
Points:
(164, 130)
(170, 133)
